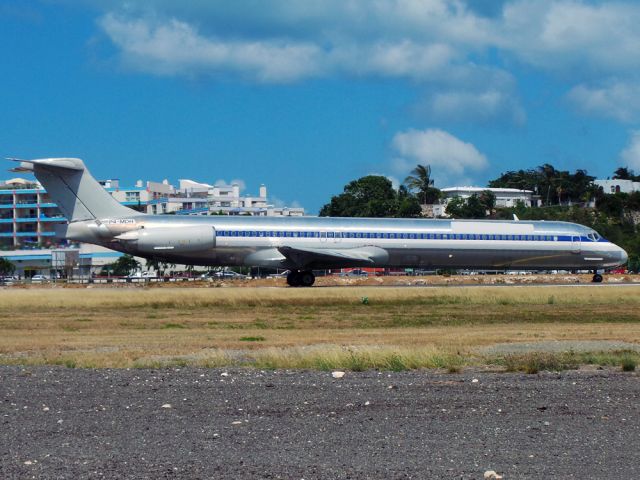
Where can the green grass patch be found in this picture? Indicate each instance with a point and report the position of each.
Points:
(629, 364)
(536, 362)
(173, 325)
(252, 339)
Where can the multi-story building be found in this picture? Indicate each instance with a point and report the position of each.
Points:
(618, 185)
(28, 215)
(505, 197)
(195, 198)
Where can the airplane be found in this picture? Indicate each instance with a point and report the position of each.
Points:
(304, 244)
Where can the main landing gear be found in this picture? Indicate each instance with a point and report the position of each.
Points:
(597, 278)
(297, 278)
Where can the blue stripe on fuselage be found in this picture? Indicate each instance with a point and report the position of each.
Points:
(401, 236)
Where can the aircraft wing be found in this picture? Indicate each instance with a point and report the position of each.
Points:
(304, 257)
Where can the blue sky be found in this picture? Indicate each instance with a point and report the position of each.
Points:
(306, 95)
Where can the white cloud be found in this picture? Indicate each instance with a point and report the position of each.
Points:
(483, 106)
(241, 183)
(572, 34)
(221, 182)
(279, 203)
(457, 51)
(630, 156)
(398, 35)
(423, 50)
(449, 157)
(176, 48)
(617, 100)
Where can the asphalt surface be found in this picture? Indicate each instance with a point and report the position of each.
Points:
(201, 423)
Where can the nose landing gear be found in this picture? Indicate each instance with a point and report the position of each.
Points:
(304, 278)
(597, 278)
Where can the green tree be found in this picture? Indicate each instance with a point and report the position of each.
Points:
(554, 186)
(370, 196)
(408, 204)
(6, 267)
(471, 207)
(612, 205)
(633, 265)
(455, 207)
(488, 200)
(122, 267)
(623, 173)
(157, 265)
(474, 208)
(420, 180)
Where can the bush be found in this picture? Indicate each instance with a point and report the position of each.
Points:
(629, 364)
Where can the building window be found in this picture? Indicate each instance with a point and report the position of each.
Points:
(132, 197)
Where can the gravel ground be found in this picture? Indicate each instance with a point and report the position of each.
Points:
(197, 423)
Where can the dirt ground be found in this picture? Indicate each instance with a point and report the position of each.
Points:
(335, 280)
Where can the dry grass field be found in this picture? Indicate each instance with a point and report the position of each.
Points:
(330, 327)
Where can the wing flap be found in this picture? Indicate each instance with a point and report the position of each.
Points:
(304, 257)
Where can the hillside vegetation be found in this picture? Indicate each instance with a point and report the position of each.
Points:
(565, 196)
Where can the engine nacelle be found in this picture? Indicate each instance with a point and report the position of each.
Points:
(177, 239)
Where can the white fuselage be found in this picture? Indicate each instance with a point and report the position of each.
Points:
(340, 242)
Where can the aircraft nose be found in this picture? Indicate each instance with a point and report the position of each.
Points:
(623, 256)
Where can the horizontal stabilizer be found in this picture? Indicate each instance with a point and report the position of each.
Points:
(66, 163)
(78, 195)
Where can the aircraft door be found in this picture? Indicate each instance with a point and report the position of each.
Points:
(323, 236)
(575, 244)
(213, 229)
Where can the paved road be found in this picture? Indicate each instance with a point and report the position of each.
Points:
(65, 423)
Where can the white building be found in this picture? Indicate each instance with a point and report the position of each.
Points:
(505, 197)
(195, 198)
(618, 186)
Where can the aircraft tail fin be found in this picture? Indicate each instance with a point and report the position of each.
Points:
(78, 195)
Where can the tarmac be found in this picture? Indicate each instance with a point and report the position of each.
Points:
(210, 423)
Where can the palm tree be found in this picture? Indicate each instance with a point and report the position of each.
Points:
(623, 173)
(6, 267)
(420, 180)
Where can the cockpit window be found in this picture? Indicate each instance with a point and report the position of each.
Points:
(593, 236)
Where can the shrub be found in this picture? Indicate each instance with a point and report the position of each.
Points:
(629, 364)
